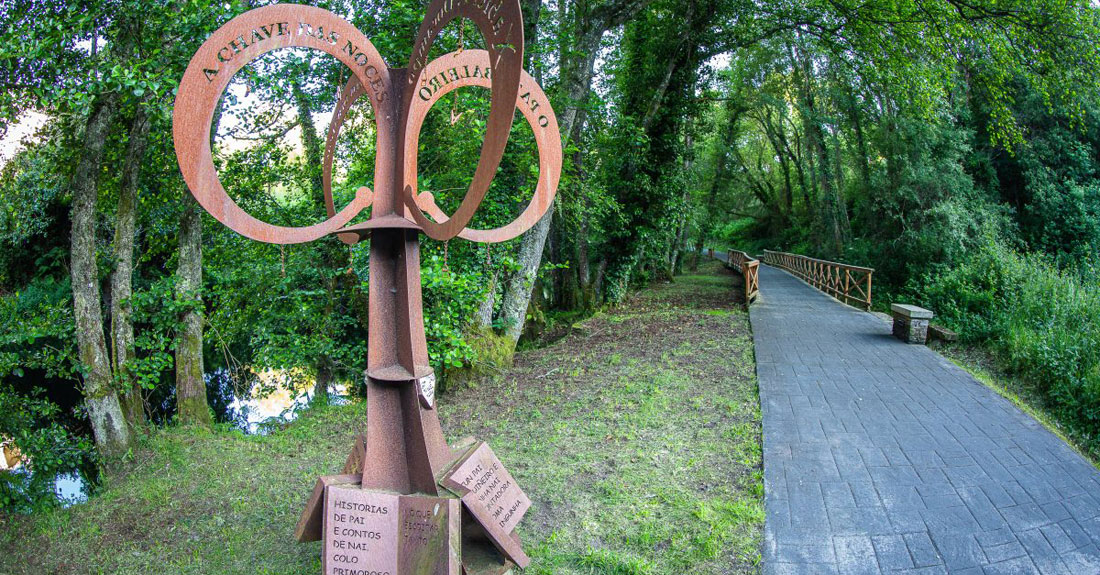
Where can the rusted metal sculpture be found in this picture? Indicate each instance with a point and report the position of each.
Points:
(405, 480)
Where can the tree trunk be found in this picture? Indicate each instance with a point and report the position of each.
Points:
(332, 257)
(310, 141)
(191, 404)
(830, 200)
(578, 65)
(517, 289)
(677, 248)
(324, 380)
(601, 275)
(855, 114)
(776, 136)
(829, 222)
(122, 323)
(565, 292)
(843, 223)
(112, 434)
(803, 79)
(796, 158)
(517, 292)
(728, 145)
(532, 13)
(483, 317)
(580, 242)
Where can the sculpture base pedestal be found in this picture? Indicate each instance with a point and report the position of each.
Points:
(377, 532)
(369, 532)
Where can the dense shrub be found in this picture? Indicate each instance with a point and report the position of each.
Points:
(1042, 322)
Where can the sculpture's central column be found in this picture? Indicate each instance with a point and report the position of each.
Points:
(405, 446)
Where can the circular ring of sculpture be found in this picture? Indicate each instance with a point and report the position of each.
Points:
(501, 24)
(470, 68)
(232, 47)
(350, 94)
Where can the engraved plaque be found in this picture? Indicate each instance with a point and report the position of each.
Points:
(360, 532)
(492, 496)
(429, 535)
(426, 389)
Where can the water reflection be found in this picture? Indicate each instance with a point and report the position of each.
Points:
(70, 489)
(275, 400)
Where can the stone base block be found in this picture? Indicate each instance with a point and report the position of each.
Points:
(390, 534)
(940, 333)
(911, 323)
(911, 330)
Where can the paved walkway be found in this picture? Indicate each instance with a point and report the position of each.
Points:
(883, 457)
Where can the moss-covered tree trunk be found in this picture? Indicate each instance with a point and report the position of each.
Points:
(734, 111)
(191, 405)
(122, 323)
(676, 250)
(112, 434)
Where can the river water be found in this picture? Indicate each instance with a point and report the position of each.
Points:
(258, 414)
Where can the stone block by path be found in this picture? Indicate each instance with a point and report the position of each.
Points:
(883, 457)
(911, 323)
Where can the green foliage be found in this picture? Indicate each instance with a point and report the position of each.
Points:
(29, 422)
(36, 331)
(732, 234)
(1059, 181)
(1043, 323)
(156, 312)
(450, 300)
(30, 190)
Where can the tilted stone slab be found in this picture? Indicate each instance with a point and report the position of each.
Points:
(492, 496)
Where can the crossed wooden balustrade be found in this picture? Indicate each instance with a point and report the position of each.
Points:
(850, 284)
(750, 269)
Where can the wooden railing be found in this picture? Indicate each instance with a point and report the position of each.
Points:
(750, 269)
(850, 284)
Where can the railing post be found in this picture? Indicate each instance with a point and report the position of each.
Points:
(869, 290)
(748, 282)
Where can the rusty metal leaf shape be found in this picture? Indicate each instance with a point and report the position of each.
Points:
(400, 105)
(458, 70)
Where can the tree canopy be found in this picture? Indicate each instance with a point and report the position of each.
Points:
(907, 135)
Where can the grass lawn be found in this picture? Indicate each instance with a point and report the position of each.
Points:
(637, 438)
